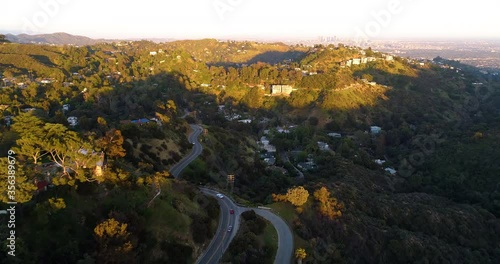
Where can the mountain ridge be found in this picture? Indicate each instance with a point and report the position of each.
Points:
(63, 38)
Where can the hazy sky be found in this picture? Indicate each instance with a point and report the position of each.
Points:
(254, 18)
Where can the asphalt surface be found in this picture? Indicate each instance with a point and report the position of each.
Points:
(285, 238)
(196, 151)
(222, 237)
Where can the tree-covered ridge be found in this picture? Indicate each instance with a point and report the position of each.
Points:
(438, 130)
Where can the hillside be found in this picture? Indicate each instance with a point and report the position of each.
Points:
(407, 150)
(59, 38)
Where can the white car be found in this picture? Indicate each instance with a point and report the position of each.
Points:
(220, 195)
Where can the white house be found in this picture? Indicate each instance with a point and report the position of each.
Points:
(390, 170)
(281, 89)
(356, 61)
(375, 129)
(246, 121)
(65, 107)
(379, 161)
(73, 121)
(323, 146)
(282, 130)
(270, 148)
(152, 53)
(264, 140)
(334, 135)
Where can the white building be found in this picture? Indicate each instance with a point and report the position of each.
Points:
(152, 53)
(73, 121)
(65, 107)
(390, 170)
(246, 121)
(281, 89)
(375, 129)
(270, 148)
(264, 140)
(323, 146)
(334, 135)
(282, 130)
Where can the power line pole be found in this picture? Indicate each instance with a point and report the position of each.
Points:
(230, 182)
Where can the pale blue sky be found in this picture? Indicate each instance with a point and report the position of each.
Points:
(254, 18)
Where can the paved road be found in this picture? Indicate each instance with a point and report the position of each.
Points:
(197, 149)
(285, 159)
(222, 237)
(221, 240)
(285, 238)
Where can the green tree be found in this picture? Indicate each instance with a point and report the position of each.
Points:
(24, 186)
(32, 134)
(112, 143)
(69, 151)
(253, 98)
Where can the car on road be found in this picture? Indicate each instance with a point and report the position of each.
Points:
(231, 211)
(229, 228)
(219, 195)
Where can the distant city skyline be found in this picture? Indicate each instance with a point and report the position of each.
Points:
(257, 19)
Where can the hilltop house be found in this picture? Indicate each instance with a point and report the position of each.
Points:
(281, 89)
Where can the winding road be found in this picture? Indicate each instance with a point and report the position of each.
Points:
(197, 149)
(223, 236)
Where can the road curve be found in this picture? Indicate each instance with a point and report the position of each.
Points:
(220, 242)
(285, 238)
(197, 149)
(222, 236)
